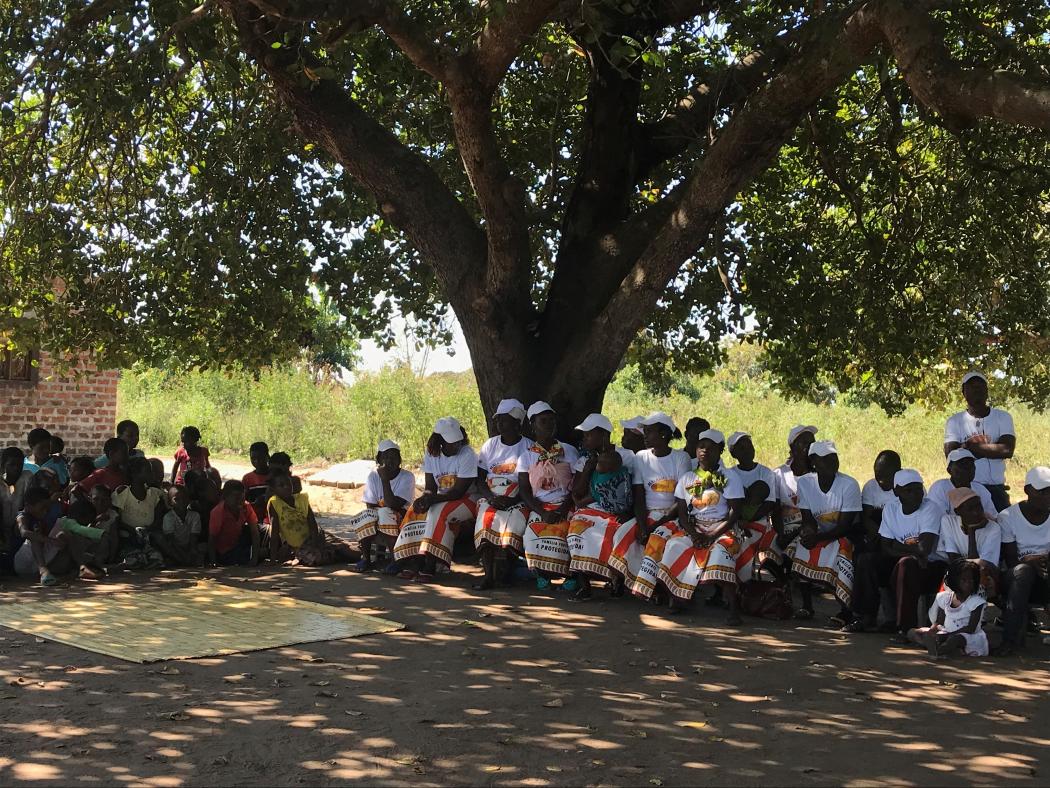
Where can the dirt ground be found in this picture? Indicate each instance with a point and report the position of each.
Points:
(515, 688)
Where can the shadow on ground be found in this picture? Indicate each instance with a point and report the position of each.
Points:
(515, 688)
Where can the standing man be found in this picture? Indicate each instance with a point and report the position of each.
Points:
(987, 433)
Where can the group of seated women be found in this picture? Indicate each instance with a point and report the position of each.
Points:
(660, 523)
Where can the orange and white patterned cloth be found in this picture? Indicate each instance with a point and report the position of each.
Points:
(591, 539)
(829, 563)
(546, 544)
(434, 531)
(501, 528)
(731, 559)
(378, 520)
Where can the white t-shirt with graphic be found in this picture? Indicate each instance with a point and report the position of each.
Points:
(787, 495)
(740, 480)
(501, 464)
(704, 501)
(995, 425)
(842, 496)
(901, 527)
(403, 486)
(447, 470)
(989, 539)
(1030, 539)
(659, 476)
(874, 496)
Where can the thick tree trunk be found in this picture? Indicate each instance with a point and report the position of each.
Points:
(529, 375)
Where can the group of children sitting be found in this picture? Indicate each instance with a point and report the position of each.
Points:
(648, 519)
(90, 515)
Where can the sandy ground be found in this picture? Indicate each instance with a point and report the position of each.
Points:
(516, 688)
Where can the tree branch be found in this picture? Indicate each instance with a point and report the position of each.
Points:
(503, 36)
(960, 94)
(406, 188)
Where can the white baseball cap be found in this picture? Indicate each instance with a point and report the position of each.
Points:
(731, 442)
(511, 407)
(448, 428)
(823, 448)
(1038, 477)
(386, 445)
(536, 408)
(715, 436)
(906, 476)
(798, 430)
(632, 424)
(659, 417)
(973, 374)
(960, 454)
(594, 422)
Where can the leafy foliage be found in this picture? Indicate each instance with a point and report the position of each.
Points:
(160, 202)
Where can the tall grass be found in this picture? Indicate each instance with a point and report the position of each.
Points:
(290, 412)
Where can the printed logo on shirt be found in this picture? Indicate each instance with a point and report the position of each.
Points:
(447, 481)
(829, 517)
(705, 499)
(663, 485)
(506, 467)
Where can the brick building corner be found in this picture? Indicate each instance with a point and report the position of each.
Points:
(83, 411)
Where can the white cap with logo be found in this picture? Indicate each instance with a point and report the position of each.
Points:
(511, 407)
(449, 429)
(595, 421)
(906, 476)
(536, 408)
(823, 448)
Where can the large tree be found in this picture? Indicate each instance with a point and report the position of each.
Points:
(860, 185)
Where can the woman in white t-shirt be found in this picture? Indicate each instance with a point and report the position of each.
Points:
(545, 484)
(389, 489)
(429, 530)
(822, 553)
(1026, 547)
(787, 517)
(956, 616)
(502, 514)
(657, 470)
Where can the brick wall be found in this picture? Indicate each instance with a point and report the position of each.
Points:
(83, 412)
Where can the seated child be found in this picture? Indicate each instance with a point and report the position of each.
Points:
(58, 460)
(256, 482)
(389, 489)
(233, 529)
(156, 478)
(106, 517)
(179, 536)
(956, 616)
(14, 481)
(141, 510)
(114, 473)
(294, 532)
(79, 469)
(280, 462)
(54, 546)
(191, 456)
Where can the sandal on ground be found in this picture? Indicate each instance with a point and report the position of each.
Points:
(900, 638)
(855, 626)
(542, 583)
(571, 585)
(407, 574)
(87, 573)
(802, 614)
(364, 565)
(424, 577)
(392, 569)
(47, 579)
(838, 622)
(583, 593)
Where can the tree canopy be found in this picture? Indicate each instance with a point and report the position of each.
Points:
(860, 186)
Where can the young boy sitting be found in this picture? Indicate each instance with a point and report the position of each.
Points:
(179, 536)
(256, 481)
(280, 462)
(57, 547)
(106, 517)
(233, 529)
(79, 469)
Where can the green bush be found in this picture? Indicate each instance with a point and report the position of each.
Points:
(289, 411)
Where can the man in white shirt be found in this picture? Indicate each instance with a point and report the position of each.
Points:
(988, 433)
(906, 561)
(1026, 550)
